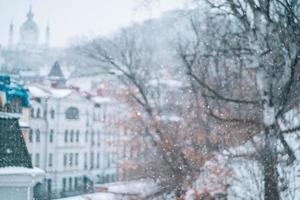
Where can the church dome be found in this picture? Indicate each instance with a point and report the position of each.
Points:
(29, 25)
(29, 31)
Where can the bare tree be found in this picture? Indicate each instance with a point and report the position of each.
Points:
(163, 115)
(263, 36)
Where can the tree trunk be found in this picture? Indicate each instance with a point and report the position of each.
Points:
(269, 154)
(270, 174)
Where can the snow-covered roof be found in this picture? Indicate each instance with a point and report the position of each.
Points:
(60, 93)
(23, 124)
(21, 170)
(101, 100)
(13, 149)
(28, 73)
(141, 188)
(95, 196)
(5, 115)
(39, 91)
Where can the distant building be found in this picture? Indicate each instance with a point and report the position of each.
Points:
(66, 138)
(14, 100)
(28, 53)
(56, 76)
(29, 34)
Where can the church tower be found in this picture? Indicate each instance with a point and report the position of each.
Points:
(47, 36)
(11, 34)
(29, 31)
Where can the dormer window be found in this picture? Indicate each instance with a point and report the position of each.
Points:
(16, 105)
(72, 113)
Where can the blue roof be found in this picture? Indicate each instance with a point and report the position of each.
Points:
(13, 89)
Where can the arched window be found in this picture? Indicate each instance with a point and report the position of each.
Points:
(72, 113)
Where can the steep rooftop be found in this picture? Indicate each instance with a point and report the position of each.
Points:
(13, 150)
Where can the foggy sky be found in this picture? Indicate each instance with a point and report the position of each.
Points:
(70, 19)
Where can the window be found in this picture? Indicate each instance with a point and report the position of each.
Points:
(85, 161)
(92, 160)
(32, 112)
(76, 183)
(98, 160)
(70, 183)
(98, 138)
(37, 159)
(104, 116)
(51, 136)
(37, 136)
(52, 114)
(86, 136)
(76, 159)
(71, 136)
(71, 159)
(77, 136)
(16, 105)
(30, 135)
(45, 114)
(93, 138)
(50, 160)
(66, 136)
(38, 113)
(65, 159)
(108, 160)
(72, 113)
(64, 183)
(49, 186)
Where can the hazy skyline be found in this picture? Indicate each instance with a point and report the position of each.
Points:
(69, 19)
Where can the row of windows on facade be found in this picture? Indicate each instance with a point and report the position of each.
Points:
(91, 160)
(15, 105)
(92, 137)
(38, 135)
(71, 113)
(69, 136)
(71, 159)
(38, 113)
(74, 183)
(37, 160)
(70, 185)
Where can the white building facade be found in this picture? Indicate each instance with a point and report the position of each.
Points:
(68, 139)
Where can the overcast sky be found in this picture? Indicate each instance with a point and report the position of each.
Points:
(70, 19)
